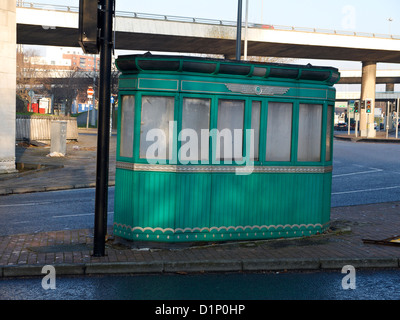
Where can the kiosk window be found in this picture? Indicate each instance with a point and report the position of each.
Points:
(255, 125)
(310, 122)
(127, 126)
(328, 134)
(157, 113)
(279, 131)
(230, 130)
(195, 117)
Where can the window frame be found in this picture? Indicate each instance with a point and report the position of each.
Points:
(180, 122)
(214, 125)
(138, 128)
(293, 135)
(213, 122)
(321, 161)
(120, 140)
(121, 94)
(250, 116)
(325, 132)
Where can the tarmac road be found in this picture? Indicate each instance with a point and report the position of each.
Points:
(365, 173)
(61, 210)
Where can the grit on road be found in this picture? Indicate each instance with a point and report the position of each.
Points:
(365, 173)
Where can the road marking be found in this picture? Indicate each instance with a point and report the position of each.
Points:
(25, 204)
(354, 173)
(77, 215)
(366, 190)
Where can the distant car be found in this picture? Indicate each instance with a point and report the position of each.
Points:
(341, 126)
(267, 26)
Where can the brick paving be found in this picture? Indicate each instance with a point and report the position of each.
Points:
(71, 250)
(375, 221)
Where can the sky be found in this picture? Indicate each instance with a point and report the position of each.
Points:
(369, 16)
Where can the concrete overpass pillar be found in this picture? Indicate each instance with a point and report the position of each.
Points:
(8, 67)
(368, 81)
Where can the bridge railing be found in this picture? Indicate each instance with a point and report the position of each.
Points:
(21, 3)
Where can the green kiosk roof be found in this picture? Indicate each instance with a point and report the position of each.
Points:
(221, 67)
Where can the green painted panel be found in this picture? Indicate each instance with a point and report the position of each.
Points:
(125, 201)
(219, 206)
(192, 204)
(203, 87)
(127, 83)
(158, 84)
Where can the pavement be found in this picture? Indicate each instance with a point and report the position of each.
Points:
(381, 137)
(70, 251)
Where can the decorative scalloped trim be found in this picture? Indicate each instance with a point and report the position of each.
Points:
(218, 229)
(218, 233)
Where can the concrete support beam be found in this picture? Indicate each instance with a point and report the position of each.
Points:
(368, 82)
(8, 67)
(390, 87)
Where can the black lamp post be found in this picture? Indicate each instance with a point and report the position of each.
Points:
(103, 129)
(239, 31)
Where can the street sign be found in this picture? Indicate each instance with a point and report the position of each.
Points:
(90, 92)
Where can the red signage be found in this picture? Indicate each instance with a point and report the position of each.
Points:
(90, 91)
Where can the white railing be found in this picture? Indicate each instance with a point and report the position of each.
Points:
(152, 16)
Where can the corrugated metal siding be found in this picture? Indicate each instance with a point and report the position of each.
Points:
(271, 199)
(123, 198)
(193, 202)
(154, 203)
(165, 203)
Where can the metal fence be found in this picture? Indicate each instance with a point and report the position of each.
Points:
(38, 127)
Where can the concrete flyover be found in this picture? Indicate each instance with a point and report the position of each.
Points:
(382, 96)
(58, 26)
(388, 77)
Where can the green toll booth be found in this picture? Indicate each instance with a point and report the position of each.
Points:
(219, 150)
